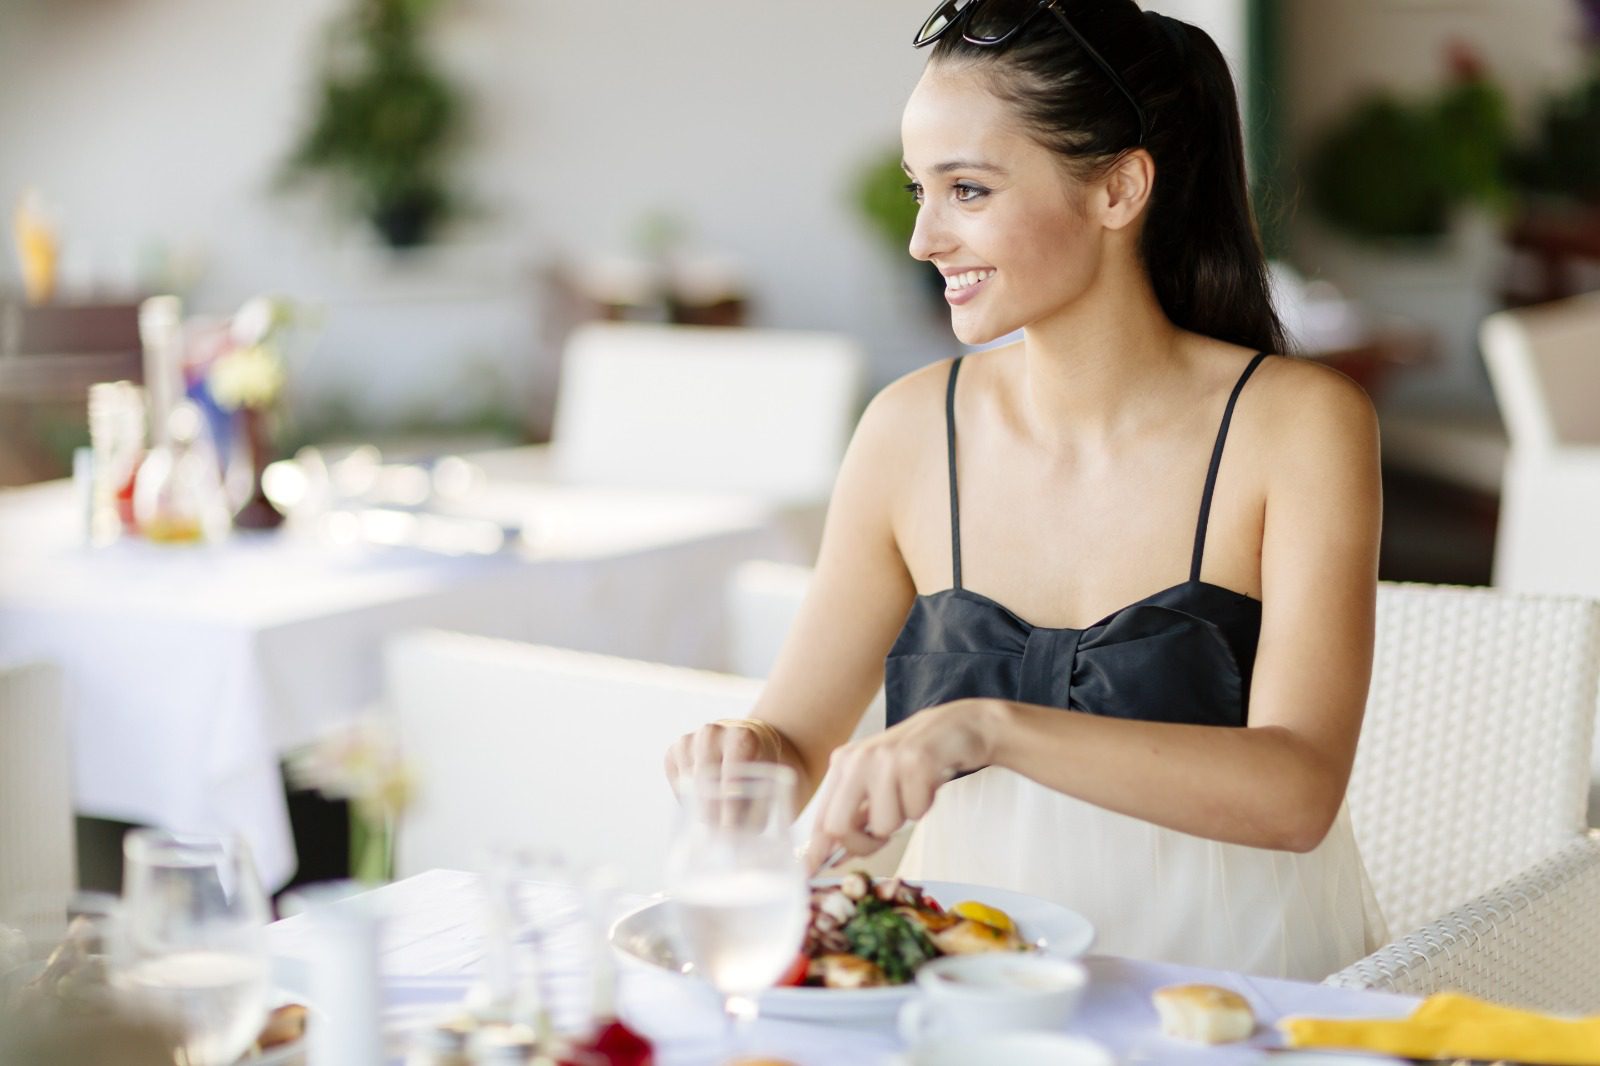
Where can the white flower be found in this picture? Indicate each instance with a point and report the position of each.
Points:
(246, 377)
(359, 761)
(253, 321)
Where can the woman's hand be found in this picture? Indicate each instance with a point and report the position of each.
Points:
(723, 743)
(876, 785)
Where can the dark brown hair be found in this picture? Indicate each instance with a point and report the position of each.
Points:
(1200, 244)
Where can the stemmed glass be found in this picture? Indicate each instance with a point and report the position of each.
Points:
(191, 942)
(737, 888)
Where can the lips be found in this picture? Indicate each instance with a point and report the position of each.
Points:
(963, 287)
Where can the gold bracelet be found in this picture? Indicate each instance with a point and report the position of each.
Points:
(769, 733)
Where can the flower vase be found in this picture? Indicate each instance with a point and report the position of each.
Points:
(371, 848)
(257, 512)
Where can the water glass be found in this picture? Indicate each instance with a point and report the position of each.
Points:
(191, 942)
(738, 890)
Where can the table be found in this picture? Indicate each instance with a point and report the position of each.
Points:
(431, 949)
(191, 670)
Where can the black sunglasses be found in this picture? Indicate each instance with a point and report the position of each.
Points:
(995, 30)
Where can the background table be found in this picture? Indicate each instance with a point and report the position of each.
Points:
(432, 947)
(191, 670)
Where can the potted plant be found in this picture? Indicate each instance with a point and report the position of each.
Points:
(386, 122)
(884, 202)
(1407, 197)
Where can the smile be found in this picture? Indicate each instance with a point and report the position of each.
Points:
(959, 288)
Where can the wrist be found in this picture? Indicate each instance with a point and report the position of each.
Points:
(996, 724)
(772, 745)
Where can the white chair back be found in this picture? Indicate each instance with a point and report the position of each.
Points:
(704, 409)
(1544, 363)
(38, 845)
(763, 599)
(543, 747)
(1474, 756)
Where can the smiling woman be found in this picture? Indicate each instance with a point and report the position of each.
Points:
(1170, 763)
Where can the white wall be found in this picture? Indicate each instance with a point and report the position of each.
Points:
(146, 120)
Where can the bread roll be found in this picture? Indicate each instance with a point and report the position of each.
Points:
(1204, 1013)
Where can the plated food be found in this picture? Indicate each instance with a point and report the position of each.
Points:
(867, 933)
(647, 938)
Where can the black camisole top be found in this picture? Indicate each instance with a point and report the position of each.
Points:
(1183, 654)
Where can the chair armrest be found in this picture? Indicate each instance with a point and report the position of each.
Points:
(1532, 941)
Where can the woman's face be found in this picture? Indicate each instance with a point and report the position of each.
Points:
(999, 216)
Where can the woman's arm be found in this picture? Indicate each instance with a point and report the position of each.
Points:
(831, 663)
(1277, 783)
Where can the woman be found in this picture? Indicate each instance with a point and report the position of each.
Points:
(1171, 763)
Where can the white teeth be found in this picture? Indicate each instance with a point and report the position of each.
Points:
(968, 279)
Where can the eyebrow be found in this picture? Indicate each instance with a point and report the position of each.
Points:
(959, 164)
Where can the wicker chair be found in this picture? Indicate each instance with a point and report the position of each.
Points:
(1468, 797)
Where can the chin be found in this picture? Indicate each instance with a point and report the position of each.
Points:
(973, 334)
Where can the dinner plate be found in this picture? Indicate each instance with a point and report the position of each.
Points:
(646, 938)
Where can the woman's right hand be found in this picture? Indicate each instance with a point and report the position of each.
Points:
(723, 743)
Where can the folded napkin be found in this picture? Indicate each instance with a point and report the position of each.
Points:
(1449, 1025)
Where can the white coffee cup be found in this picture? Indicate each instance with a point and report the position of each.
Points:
(1012, 1049)
(996, 992)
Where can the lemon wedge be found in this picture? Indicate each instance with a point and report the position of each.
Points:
(982, 912)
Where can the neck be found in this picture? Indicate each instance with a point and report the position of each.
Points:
(1096, 368)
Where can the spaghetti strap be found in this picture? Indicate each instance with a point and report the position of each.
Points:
(1216, 462)
(955, 499)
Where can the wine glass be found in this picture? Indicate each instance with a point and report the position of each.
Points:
(737, 888)
(191, 943)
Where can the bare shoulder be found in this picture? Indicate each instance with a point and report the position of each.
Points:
(1309, 423)
(1302, 399)
(904, 411)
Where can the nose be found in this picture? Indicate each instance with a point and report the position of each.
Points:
(929, 237)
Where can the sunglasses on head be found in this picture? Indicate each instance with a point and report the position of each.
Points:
(983, 25)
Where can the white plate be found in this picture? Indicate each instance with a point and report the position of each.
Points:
(645, 938)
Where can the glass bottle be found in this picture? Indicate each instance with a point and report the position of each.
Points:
(116, 436)
(178, 496)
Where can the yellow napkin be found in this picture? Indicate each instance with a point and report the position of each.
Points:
(1449, 1025)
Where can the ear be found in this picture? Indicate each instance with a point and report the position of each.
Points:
(1125, 189)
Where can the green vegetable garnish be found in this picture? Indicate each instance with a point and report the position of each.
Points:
(896, 944)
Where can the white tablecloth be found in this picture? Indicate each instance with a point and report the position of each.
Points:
(432, 947)
(190, 671)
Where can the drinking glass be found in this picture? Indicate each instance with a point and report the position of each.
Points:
(738, 890)
(191, 943)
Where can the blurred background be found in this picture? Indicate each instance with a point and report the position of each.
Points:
(387, 227)
(449, 185)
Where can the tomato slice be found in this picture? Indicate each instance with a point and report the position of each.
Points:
(931, 904)
(795, 975)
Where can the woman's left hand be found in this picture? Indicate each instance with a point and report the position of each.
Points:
(876, 785)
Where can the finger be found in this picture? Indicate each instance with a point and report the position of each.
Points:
(819, 853)
(820, 844)
(837, 809)
(739, 745)
(845, 817)
(677, 759)
(705, 749)
(859, 842)
(883, 814)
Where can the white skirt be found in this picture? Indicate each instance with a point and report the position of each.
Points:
(1151, 892)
